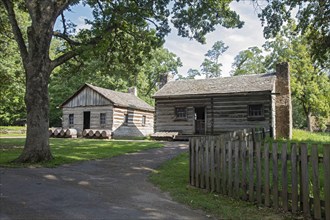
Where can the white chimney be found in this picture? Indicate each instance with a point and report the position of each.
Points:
(133, 90)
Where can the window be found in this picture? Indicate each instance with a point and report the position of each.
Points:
(102, 118)
(181, 113)
(256, 112)
(126, 119)
(71, 119)
(144, 119)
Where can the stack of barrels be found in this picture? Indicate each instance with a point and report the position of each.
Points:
(97, 133)
(63, 132)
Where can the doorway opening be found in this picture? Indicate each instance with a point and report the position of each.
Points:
(200, 120)
(87, 120)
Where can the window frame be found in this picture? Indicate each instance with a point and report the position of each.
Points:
(71, 119)
(184, 113)
(251, 113)
(144, 120)
(126, 119)
(103, 118)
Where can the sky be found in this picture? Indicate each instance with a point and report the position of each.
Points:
(191, 52)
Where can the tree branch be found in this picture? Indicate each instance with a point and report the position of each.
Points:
(16, 30)
(63, 22)
(63, 58)
(66, 38)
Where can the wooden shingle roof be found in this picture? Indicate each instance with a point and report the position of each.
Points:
(224, 85)
(120, 99)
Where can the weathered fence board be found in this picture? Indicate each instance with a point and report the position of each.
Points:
(316, 184)
(304, 179)
(281, 175)
(294, 179)
(275, 176)
(326, 162)
(284, 177)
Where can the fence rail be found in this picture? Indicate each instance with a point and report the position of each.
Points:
(292, 177)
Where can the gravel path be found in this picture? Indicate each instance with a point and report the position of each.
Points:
(115, 188)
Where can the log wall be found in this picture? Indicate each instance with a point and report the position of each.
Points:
(134, 127)
(223, 113)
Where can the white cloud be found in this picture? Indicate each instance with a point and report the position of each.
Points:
(192, 53)
(81, 24)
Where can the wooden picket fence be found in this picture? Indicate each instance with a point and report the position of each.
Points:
(287, 176)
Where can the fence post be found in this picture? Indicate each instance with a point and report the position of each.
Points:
(191, 161)
(266, 162)
(316, 184)
(275, 176)
(230, 166)
(251, 173)
(212, 163)
(243, 146)
(294, 178)
(236, 181)
(284, 177)
(197, 161)
(305, 179)
(326, 162)
(207, 163)
(258, 165)
(218, 158)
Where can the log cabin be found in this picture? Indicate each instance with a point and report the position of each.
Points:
(217, 105)
(92, 107)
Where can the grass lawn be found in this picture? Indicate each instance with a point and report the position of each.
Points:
(173, 177)
(311, 137)
(73, 150)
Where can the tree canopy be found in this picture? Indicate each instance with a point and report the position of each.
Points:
(313, 19)
(121, 33)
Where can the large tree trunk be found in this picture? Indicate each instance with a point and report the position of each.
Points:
(37, 69)
(36, 147)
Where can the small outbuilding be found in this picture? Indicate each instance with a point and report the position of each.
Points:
(218, 105)
(124, 114)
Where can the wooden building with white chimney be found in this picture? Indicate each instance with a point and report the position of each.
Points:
(124, 114)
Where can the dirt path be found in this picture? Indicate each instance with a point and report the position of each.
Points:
(116, 188)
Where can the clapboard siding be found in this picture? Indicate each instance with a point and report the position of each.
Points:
(95, 111)
(134, 126)
(87, 97)
(223, 113)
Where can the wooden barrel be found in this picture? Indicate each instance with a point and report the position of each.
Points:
(91, 133)
(62, 132)
(57, 132)
(71, 132)
(85, 132)
(97, 133)
(106, 134)
(51, 131)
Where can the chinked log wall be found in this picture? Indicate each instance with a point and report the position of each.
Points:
(223, 113)
(288, 176)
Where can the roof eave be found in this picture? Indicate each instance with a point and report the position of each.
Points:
(211, 94)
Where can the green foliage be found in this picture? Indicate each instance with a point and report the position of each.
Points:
(67, 151)
(12, 74)
(310, 84)
(312, 18)
(250, 61)
(211, 66)
(116, 76)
